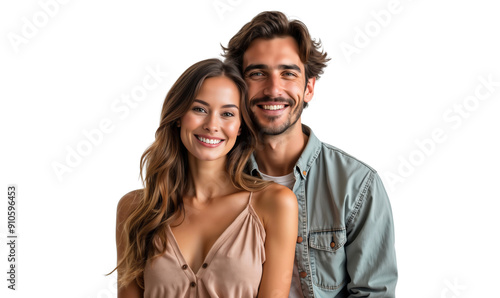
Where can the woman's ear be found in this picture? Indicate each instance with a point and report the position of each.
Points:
(178, 122)
(239, 131)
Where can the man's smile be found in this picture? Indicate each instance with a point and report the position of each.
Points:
(272, 107)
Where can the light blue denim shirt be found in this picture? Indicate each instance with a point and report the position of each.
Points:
(345, 246)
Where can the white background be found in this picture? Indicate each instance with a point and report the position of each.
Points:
(65, 75)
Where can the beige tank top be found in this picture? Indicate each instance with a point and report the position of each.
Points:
(232, 267)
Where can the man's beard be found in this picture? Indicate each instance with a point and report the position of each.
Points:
(273, 131)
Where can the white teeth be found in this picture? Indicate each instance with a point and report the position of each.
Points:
(273, 107)
(209, 141)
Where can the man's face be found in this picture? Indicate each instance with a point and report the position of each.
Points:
(276, 82)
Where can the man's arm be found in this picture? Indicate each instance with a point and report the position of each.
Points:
(371, 257)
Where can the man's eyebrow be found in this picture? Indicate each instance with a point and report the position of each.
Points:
(264, 66)
(289, 66)
(255, 66)
(224, 106)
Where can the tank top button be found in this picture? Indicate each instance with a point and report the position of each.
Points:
(184, 267)
(205, 265)
(193, 284)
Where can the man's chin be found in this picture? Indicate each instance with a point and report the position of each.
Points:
(273, 130)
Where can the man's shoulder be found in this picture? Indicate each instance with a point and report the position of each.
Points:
(343, 160)
(333, 158)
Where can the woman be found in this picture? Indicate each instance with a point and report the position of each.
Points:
(201, 227)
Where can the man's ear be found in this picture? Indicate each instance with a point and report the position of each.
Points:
(309, 92)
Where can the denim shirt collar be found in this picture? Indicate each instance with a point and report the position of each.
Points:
(306, 159)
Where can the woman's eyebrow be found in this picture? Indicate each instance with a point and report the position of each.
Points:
(224, 106)
(202, 102)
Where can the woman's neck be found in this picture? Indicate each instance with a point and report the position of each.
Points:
(210, 179)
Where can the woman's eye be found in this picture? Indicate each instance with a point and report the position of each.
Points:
(228, 114)
(198, 109)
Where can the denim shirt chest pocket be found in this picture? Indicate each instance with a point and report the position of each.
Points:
(327, 257)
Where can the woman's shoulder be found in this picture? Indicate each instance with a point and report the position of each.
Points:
(274, 193)
(128, 203)
(274, 199)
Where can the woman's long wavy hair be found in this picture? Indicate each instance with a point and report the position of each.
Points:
(165, 172)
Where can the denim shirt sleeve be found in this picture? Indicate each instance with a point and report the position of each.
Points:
(370, 253)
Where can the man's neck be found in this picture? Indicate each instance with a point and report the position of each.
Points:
(277, 155)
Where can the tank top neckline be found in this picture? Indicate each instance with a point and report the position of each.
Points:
(217, 244)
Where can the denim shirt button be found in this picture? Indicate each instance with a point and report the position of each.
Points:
(303, 274)
(299, 239)
(332, 244)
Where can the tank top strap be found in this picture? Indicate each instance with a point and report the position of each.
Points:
(250, 199)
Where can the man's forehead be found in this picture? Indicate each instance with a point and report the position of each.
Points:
(272, 52)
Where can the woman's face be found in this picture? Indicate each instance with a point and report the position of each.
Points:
(210, 127)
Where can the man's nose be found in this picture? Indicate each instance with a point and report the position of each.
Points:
(274, 87)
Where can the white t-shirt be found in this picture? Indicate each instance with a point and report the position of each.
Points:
(288, 181)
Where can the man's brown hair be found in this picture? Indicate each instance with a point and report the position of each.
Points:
(271, 24)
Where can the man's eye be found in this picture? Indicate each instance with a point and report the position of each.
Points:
(256, 74)
(289, 74)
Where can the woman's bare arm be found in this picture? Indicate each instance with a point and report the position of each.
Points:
(124, 209)
(280, 220)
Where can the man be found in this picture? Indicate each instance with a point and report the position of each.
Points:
(345, 246)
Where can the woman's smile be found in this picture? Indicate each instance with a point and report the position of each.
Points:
(209, 141)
